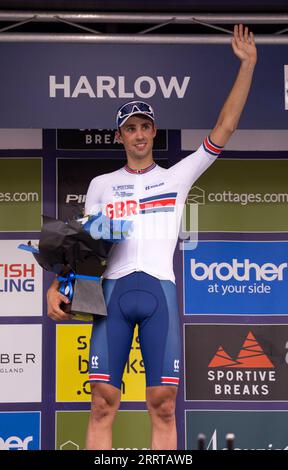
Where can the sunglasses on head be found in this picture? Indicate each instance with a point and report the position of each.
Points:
(135, 107)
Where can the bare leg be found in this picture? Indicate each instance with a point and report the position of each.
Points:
(105, 402)
(161, 403)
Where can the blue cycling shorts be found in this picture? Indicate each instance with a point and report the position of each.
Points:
(143, 300)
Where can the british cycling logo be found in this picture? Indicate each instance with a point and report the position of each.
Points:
(17, 277)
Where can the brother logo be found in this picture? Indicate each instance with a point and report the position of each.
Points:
(240, 271)
(15, 443)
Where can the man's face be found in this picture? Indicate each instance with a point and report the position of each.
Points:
(137, 136)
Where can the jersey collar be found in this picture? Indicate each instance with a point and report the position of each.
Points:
(140, 172)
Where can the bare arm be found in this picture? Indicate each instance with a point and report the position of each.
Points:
(243, 45)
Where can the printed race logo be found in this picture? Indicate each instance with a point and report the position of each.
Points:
(20, 281)
(240, 278)
(20, 431)
(236, 362)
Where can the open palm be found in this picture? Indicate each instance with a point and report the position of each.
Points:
(243, 44)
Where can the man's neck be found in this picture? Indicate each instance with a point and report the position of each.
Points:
(139, 164)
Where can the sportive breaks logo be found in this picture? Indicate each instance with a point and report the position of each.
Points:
(252, 378)
(251, 355)
(236, 362)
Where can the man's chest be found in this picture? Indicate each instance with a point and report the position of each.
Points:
(135, 196)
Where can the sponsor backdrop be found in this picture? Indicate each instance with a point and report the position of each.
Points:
(20, 208)
(20, 281)
(255, 430)
(236, 362)
(235, 278)
(72, 346)
(231, 276)
(84, 93)
(20, 430)
(71, 429)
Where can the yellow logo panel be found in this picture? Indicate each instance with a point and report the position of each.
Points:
(72, 356)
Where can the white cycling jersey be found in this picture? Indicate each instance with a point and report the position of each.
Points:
(153, 199)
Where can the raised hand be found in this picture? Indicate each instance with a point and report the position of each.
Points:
(243, 44)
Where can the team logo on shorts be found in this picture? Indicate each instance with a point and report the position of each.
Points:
(176, 365)
(94, 362)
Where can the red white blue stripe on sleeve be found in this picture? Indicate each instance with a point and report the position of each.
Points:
(100, 377)
(211, 148)
(170, 380)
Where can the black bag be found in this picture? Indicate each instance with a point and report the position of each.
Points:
(70, 251)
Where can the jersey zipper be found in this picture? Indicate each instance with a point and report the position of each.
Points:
(138, 185)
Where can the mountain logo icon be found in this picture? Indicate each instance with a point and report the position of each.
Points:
(251, 355)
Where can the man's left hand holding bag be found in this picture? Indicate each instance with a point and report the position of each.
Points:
(54, 301)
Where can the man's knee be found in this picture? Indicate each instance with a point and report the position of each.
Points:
(161, 404)
(166, 410)
(104, 402)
